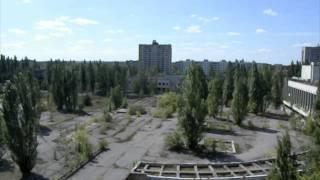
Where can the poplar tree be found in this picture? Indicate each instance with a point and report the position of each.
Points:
(284, 166)
(255, 90)
(192, 106)
(228, 84)
(214, 100)
(276, 90)
(240, 97)
(20, 112)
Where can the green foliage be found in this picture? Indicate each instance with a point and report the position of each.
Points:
(116, 96)
(214, 100)
(64, 87)
(21, 115)
(124, 103)
(240, 97)
(2, 136)
(136, 109)
(166, 106)
(255, 90)
(82, 144)
(103, 144)
(192, 108)
(210, 144)
(276, 90)
(87, 100)
(174, 141)
(284, 168)
(228, 84)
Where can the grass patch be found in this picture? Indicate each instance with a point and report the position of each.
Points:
(219, 126)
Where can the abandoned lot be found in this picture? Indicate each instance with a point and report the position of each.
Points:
(140, 137)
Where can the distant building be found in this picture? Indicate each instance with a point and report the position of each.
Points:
(206, 65)
(155, 56)
(310, 54)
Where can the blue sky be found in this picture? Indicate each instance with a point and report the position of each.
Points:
(271, 31)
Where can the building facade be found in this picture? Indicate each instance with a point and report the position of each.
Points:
(155, 56)
(310, 54)
(300, 93)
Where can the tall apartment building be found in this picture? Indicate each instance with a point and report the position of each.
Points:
(310, 54)
(155, 56)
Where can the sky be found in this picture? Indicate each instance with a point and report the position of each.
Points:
(270, 31)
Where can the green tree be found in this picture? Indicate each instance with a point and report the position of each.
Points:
(240, 98)
(255, 90)
(228, 84)
(83, 77)
(20, 112)
(284, 166)
(92, 76)
(214, 100)
(192, 106)
(2, 136)
(116, 96)
(276, 90)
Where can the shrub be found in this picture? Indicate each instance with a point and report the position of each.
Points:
(83, 146)
(174, 141)
(87, 100)
(124, 103)
(103, 144)
(166, 106)
(107, 117)
(136, 108)
(210, 144)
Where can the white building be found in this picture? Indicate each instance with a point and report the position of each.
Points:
(155, 56)
(300, 93)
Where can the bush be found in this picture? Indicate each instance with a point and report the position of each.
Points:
(166, 106)
(83, 146)
(124, 103)
(107, 117)
(104, 127)
(210, 144)
(174, 141)
(87, 100)
(103, 144)
(135, 109)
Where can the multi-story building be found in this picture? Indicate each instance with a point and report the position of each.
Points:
(155, 56)
(206, 65)
(300, 93)
(310, 54)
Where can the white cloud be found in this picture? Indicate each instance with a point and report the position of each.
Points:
(14, 45)
(177, 28)
(107, 40)
(264, 50)
(115, 31)
(57, 24)
(84, 21)
(204, 19)
(193, 15)
(194, 29)
(85, 41)
(270, 12)
(260, 30)
(17, 31)
(233, 33)
(41, 37)
(304, 44)
(25, 1)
